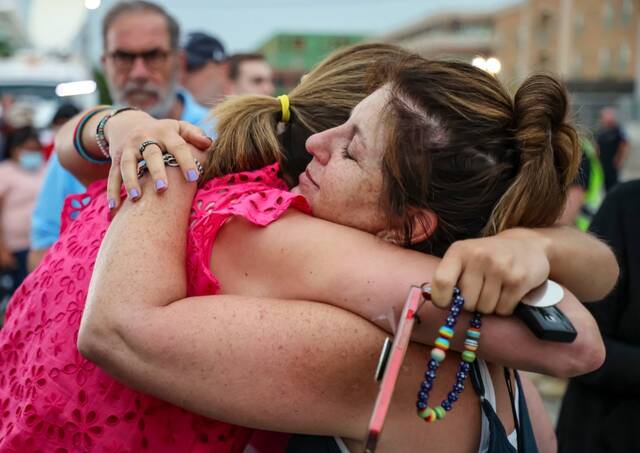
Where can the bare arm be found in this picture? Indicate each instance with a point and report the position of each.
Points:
(362, 274)
(572, 255)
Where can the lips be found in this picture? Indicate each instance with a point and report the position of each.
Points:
(306, 172)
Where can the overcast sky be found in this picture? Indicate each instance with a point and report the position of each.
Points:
(245, 24)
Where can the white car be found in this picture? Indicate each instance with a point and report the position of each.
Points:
(45, 82)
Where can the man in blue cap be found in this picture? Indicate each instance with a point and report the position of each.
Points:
(141, 62)
(205, 69)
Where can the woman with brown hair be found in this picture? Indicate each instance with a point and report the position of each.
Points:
(206, 355)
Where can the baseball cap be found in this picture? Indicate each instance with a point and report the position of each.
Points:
(201, 48)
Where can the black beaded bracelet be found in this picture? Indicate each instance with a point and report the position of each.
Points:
(102, 142)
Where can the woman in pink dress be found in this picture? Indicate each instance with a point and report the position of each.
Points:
(51, 396)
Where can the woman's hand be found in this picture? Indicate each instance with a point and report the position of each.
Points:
(125, 133)
(492, 273)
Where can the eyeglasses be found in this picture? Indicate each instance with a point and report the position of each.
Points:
(153, 59)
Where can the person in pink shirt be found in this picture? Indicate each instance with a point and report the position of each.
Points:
(20, 177)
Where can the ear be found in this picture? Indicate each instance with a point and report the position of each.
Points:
(424, 222)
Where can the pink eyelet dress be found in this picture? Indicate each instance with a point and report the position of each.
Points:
(54, 400)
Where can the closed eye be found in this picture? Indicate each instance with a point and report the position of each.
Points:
(347, 155)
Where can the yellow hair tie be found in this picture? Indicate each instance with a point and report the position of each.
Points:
(284, 106)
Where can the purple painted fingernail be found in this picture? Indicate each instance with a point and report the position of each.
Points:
(112, 203)
(192, 175)
(161, 184)
(134, 194)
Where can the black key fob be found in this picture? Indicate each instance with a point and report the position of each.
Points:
(547, 323)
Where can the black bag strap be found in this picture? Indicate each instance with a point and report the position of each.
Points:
(512, 399)
(476, 379)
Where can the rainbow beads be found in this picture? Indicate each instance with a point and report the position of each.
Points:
(471, 345)
(471, 342)
(473, 332)
(438, 354)
(442, 343)
(446, 332)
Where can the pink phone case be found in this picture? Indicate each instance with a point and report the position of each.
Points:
(394, 362)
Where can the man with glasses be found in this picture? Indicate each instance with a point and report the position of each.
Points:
(141, 63)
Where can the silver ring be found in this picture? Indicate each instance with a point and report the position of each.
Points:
(146, 143)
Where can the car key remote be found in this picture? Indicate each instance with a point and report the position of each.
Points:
(547, 323)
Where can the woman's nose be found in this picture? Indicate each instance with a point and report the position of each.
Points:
(318, 145)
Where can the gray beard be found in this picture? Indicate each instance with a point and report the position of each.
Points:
(160, 109)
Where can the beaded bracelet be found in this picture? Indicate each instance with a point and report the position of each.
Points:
(101, 140)
(438, 354)
(77, 137)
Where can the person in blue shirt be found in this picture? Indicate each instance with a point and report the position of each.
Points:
(141, 63)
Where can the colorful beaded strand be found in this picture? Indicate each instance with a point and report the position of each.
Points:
(438, 354)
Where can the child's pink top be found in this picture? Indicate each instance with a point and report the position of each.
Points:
(54, 400)
(18, 193)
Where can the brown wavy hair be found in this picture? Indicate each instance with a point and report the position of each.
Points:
(459, 145)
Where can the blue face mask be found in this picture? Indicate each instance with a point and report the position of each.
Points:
(30, 160)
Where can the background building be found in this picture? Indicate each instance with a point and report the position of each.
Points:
(458, 35)
(292, 55)
(591, 44)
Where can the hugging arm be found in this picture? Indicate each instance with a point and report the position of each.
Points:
(572, 255)
(125, 132)
(518, 259)
(356, 271)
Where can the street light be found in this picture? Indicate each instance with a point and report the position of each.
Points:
(76, 88)
(92, 4)
(480, 63)
(492, 65)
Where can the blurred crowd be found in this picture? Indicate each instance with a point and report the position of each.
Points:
(167, 77)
